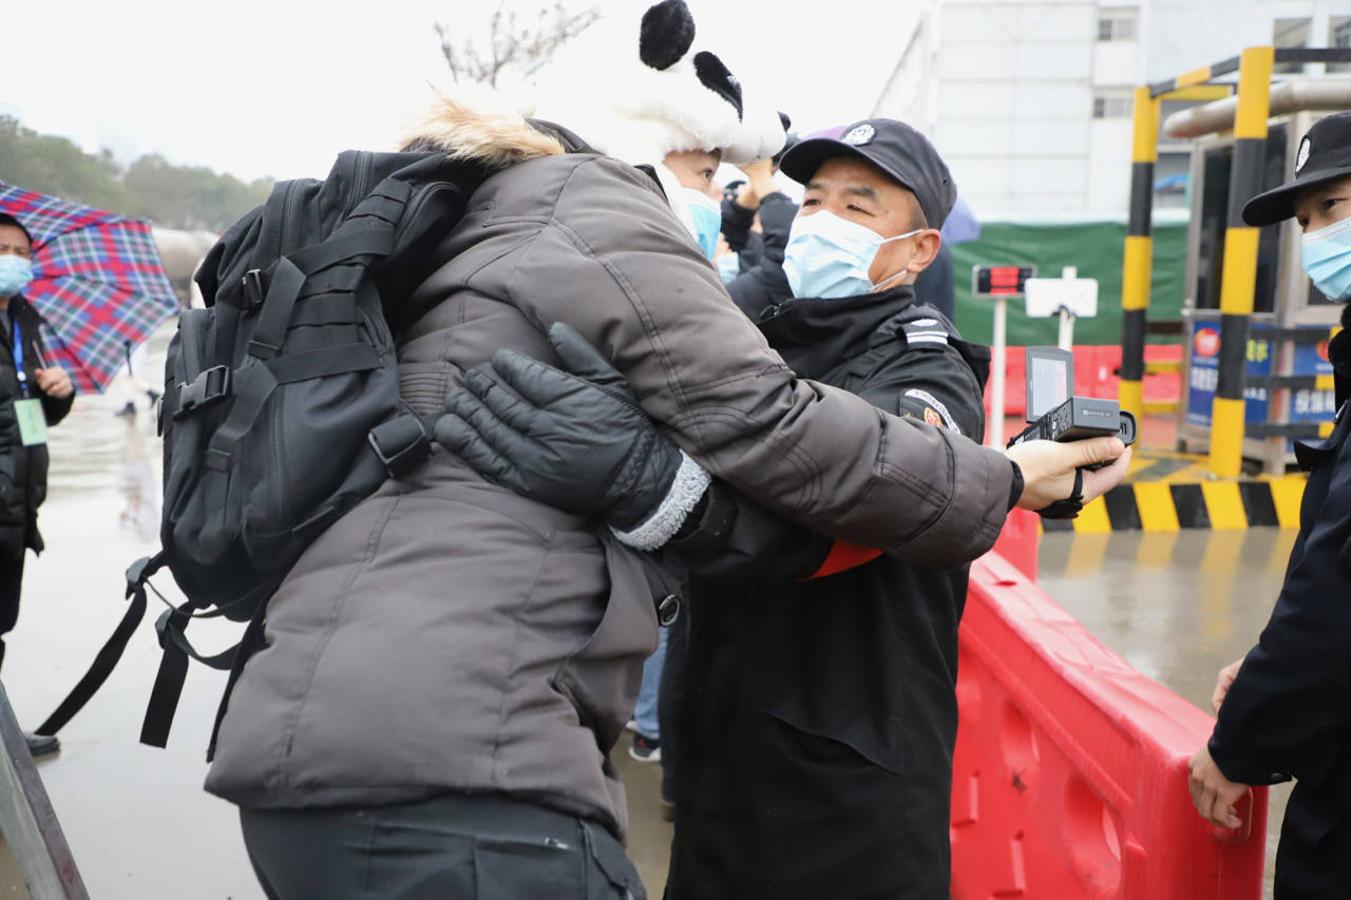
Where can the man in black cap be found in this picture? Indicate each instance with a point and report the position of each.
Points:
(1285, 709)
(812, 738)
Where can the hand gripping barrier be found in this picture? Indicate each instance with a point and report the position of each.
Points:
(1070, 773)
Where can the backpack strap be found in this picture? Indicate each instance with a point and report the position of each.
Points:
(173, 672)
(291, 272)
(112, 650)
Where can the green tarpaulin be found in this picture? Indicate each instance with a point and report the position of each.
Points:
(1095, 248)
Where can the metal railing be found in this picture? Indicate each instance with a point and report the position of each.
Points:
(28, 823)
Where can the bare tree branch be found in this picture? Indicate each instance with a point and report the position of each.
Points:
(510, 46)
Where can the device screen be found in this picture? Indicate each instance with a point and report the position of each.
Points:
(1050, 386)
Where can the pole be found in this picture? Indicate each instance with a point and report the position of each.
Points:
(1001, 320)
(1066, 339)
(1138, 259)
(1239, 274)
(28, 821)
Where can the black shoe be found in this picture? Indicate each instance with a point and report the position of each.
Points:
(42, 744)
(127, 412)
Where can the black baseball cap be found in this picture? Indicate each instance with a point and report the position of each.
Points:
(894, 147)
(1324, 155)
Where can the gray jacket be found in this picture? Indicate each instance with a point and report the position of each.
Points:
(448, 634)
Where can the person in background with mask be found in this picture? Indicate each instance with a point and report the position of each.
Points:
(817, 716)
(33, 396)
(1285, 709)
(756, 219)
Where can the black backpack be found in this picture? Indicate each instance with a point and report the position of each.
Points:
(281, 408)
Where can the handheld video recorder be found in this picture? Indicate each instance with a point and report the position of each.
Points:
(1056, 414)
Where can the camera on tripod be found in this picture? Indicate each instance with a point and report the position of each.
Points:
(1056, 414)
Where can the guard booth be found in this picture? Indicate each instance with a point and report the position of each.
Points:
(1287, 378)
(1245, 287)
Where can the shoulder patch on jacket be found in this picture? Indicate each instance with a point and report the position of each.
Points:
(925, 333)
(935, 411)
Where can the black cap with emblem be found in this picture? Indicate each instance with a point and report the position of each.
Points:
(1324, 155)
(894, 147)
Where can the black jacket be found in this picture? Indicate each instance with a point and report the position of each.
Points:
(818, 719)
(23, 470)
(762, 281)
(1288, 713)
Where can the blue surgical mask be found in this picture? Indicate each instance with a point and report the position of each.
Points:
(1327, 260)
(16, 273)
(706, 218)
(828, 257)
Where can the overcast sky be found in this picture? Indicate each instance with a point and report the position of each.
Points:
(275, 87)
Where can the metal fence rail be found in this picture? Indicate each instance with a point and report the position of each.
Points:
(27, 821)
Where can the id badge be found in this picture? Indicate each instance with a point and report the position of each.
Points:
(32, 422)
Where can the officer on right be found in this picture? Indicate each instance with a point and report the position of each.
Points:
(1285, 709)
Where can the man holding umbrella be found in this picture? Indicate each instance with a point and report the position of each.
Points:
(33, 395)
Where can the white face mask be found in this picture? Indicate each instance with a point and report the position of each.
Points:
(828, 257)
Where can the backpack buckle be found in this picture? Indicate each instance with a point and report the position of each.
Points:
(401, 444)
(255, 288)
(206, 390)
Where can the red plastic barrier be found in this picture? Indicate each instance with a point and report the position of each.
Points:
(1019, 540)
(1095, 369)
(1070, 775)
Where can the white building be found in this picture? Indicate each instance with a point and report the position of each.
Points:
(1030, 100)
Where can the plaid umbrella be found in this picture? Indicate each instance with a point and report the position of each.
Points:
(97, 280)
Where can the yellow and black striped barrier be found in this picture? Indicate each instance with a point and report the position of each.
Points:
(1176, 506)
(1138, 262)
(1138, 258)
(1239, 275)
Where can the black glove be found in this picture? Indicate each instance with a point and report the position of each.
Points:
(575, 439)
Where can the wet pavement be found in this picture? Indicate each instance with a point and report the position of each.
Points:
(1177, 606)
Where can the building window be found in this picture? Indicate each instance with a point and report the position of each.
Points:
(1290, 34)
(1117, 26)
(1339, 33)
(1111, 104)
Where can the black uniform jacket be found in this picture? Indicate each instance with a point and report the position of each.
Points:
(1288, 713)
(23, 470)
(816, 726)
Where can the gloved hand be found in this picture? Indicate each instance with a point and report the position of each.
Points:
(573, 438)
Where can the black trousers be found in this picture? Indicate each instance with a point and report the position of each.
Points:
(11, 580)
(454, 847)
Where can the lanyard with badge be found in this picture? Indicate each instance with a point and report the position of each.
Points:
(28, 410)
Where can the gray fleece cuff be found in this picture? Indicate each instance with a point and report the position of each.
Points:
(691, 481)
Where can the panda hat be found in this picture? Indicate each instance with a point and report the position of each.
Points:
(640, 103)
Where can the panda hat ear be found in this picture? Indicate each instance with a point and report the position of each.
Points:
(666, 35)
(674, 96)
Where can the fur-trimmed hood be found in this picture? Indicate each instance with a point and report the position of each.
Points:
(475, 131)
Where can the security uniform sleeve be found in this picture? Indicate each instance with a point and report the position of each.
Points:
(927, 380)
(1288, 713)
